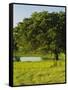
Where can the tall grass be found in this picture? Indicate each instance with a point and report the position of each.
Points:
(42, 72)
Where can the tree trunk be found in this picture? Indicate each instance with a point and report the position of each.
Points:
(56, 56)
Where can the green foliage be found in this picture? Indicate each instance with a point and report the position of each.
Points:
(43, 30)
(17, 58)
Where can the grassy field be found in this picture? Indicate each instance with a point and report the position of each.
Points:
(42, 72)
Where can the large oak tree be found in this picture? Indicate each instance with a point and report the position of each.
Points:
(43, 31)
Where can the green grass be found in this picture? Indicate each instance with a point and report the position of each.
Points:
(42, 72)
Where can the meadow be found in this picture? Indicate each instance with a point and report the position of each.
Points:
(38, 72)
(42, 34)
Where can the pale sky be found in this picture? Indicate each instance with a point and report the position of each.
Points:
(24, 11)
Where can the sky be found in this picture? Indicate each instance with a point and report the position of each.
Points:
(24, 11)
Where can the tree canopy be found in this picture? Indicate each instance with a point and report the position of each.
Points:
(41, 32)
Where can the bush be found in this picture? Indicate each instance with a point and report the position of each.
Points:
(17, 58)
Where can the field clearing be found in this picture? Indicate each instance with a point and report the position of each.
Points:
(41, 72)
